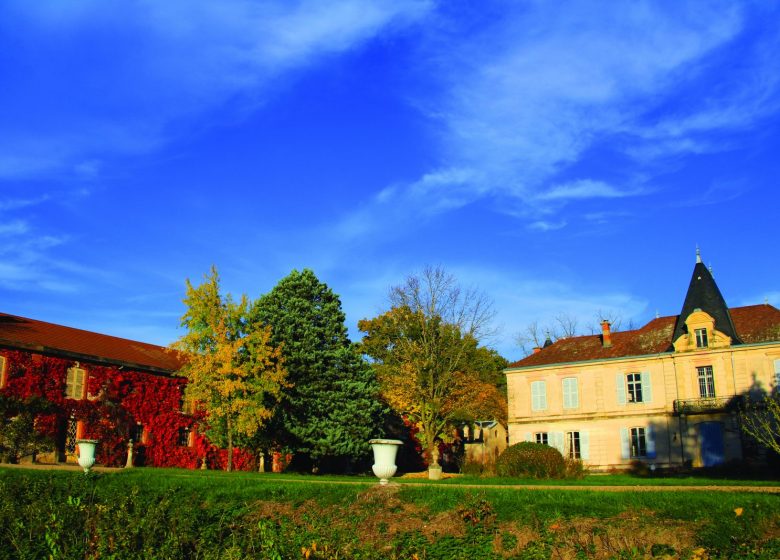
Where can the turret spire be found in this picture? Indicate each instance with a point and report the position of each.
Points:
(698, 254)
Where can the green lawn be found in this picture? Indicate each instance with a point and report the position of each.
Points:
(173, 513)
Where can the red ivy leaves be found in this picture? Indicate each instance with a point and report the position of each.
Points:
(117, 399)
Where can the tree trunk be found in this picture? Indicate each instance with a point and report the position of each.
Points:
(230, 445)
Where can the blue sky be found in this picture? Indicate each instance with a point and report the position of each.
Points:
(564, 157)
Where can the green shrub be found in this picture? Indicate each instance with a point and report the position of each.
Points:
(575, 468)
(531, 460)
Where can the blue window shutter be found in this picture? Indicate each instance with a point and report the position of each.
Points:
(620, 384)
(625, 445)
(650, 442)
(556, 440)
(528, 436)
(585, 445)
(571, 397)
(647, 387)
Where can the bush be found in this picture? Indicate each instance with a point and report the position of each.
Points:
(531, 460)
(575, 468)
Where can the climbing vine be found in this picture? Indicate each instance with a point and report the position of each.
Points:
(117, 400)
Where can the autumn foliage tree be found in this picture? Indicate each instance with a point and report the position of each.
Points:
(235, 374)
(425, 350)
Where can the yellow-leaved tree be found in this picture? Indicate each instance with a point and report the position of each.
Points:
(235, 375)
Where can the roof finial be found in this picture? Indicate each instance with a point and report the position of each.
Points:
(657, 315)
(698, 254)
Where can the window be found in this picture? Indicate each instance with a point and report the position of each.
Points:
(541, 437)
(571, 397)
(701, 338)
(638, 443)
(184, 437)
(634, 385)
(573, 450)
(538, 395)
(777, 374)
(706, 382)
(3, 379)
(74, 383)
(137, 433)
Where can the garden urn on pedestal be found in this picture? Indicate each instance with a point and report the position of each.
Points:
(86, 453)
(385, 452)
(434, 470)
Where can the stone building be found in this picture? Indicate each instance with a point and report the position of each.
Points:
(667, 394)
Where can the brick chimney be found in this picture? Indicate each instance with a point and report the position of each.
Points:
(606, 336)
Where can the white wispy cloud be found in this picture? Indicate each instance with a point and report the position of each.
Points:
(585, 188)
(167, 62)
(521, 102)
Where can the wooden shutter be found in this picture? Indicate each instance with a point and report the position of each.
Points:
(584, 445)
(620, 386)
(625, 443)
(650, 443)
(529, 436)
(647, 387)
(74, 383)
(555, 440)
(539, 395)
(571, 398)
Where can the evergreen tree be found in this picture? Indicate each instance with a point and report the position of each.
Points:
(333, 407)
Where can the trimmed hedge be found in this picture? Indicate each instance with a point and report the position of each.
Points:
(531, 460)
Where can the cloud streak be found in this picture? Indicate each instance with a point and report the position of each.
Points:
(153, 66)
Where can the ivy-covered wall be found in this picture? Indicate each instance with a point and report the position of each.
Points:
(117, 399)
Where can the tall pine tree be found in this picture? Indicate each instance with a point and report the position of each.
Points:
(333, 407)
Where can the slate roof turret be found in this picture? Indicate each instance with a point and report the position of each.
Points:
(703, 294)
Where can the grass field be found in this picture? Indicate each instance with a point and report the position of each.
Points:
(170, 513)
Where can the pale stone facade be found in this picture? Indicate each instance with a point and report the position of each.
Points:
(615, 398)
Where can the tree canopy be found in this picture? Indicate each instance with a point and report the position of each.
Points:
(333, 407)
(235, 374)
(425, 350)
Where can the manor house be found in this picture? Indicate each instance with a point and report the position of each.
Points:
(667, 394)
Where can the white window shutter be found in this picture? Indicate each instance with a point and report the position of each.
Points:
(650, 442)
(585, 445)
(620, 385)
(647, 387)
(625, 443)
(570, 393)
(538, 395)
(556, 440)
(528, 436)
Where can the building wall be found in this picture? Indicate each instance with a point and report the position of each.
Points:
(737, 370)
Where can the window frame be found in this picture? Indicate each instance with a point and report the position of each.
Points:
(72, 383)
(637, 442)
(573, 444)
(634, 393)
(702, 338)
(542, 437)
(184, 435)
(706, 379)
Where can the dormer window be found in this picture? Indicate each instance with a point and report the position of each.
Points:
(701, 338)
(3, 376)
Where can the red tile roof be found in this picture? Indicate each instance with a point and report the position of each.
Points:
(48, 338)
(754, 323)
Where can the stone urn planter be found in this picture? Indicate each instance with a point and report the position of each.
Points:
(434, 469)
(86, 453)
(385, 452)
